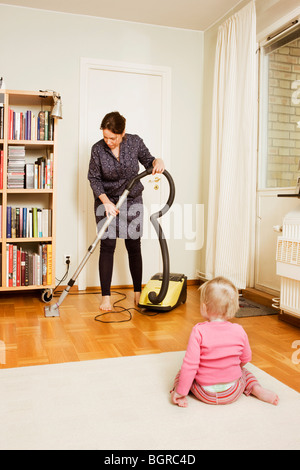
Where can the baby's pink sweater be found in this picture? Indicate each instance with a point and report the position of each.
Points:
(214, 355)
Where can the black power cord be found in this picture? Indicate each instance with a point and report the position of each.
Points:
(116, 309)
(121, 309)
(65, 275)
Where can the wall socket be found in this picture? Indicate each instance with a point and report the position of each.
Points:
(67, 259)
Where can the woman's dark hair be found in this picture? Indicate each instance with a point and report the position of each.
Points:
(114, 122)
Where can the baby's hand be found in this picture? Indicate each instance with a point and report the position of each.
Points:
(179, 400)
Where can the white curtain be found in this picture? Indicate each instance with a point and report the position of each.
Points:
(232, 181)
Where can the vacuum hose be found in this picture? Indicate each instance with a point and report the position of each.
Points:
(153, 297)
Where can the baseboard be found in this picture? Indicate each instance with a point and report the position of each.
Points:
(262, 298)
(291, 319)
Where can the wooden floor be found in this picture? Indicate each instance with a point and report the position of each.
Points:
(31, 339)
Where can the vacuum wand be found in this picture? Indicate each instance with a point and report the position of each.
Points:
(53, 310)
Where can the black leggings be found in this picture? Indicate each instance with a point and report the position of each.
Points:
(106, 259)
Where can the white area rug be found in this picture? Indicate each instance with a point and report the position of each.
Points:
(124, 403)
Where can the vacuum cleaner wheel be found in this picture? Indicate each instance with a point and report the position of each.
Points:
(47, 295)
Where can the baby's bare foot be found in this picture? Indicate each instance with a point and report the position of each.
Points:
(182, 402)
(179, 400)
(265, 395)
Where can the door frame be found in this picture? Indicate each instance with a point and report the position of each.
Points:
(86, 65)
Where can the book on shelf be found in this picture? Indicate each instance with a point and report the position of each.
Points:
(1, 168)
(26, 125)
(26, 267)
(49, 265)
(0, 224)
(1, 118)
(8, 222)
(28, 222)
(16, 167)
(29, 175)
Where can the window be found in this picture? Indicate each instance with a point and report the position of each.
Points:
(280, 110)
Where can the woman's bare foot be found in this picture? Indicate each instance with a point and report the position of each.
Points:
(137, 296)
(105, 304)
(265, 395)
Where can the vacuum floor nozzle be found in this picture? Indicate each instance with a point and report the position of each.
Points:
(51, 311)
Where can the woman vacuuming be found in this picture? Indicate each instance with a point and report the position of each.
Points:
(114, 163)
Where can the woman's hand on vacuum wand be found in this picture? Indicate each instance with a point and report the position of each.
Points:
(110, 208)
(158, 166)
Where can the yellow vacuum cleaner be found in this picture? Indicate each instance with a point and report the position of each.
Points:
(164, 291)
(176, 292)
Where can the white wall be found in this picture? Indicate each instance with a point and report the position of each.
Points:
(42, 50)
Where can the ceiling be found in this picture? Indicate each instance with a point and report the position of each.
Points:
(188, 14)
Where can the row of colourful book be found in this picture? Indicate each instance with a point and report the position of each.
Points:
(29, 126)
(39, 175)
(28, 268)
(28, 222)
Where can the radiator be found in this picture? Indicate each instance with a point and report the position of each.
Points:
(288, 264)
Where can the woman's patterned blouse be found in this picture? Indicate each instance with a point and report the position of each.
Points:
(110, 176)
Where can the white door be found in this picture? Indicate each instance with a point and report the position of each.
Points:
(141, 94)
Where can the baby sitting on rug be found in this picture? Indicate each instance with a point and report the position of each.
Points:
(213, 366)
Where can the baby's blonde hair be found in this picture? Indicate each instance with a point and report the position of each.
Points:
(220, 297)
